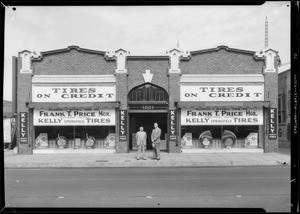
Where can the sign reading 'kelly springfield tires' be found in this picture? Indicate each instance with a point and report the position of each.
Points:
(103, 117)
(191, 117)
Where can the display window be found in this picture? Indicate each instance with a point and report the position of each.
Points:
(220, 137)
(88, 129)
(75, 137)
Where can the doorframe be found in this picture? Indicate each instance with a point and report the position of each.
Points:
(148, 112)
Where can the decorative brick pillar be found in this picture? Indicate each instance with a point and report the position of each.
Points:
(24, 125)
(122, 146)
(175, 55)
(271, 94)
(174, 96)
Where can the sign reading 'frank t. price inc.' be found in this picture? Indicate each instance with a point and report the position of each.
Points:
(102, 93)
(103, 117)
(193, 117)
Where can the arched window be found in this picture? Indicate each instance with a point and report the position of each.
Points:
(148, 92)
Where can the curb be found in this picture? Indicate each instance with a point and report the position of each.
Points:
(144, 165)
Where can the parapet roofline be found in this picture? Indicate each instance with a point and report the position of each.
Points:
(247, 52)
(253, 53)
(222, 47)
(148, 57)
(68, 49)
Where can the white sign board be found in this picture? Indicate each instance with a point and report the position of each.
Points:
(222, 92)
(48, 93)
(190, 117)
(7, 130)
(104, 117)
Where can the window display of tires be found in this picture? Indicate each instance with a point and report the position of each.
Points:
(228, 138)
(90, 142)
(206, 139)
(61, 142)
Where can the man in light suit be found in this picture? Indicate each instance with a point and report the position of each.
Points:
(141, 138)
(155, 138)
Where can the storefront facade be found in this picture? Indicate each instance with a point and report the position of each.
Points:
(219, 99)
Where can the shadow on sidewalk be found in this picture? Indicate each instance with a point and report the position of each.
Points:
(286, 151)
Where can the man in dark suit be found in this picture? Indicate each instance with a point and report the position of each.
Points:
(155, 138)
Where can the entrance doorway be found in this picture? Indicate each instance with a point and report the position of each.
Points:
(147, 120)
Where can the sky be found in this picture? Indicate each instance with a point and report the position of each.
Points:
(144, 30)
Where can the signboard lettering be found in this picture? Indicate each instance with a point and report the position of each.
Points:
(104, 93)
(191, 117)
(148, 107)
(224, 92)
(103, 117)
(173, 121)
(123, 125)
(272, 123)
(23, 127)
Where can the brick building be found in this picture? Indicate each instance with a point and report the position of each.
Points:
(214, 100)
(284, 106)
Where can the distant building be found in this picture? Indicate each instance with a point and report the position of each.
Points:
(284, 106)
(8, 118)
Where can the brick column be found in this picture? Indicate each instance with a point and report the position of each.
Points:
(121, 90)
(271, 94)
(174, 96)
(23, 96)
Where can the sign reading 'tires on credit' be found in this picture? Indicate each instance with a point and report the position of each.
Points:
(97, 93)
(222, 92)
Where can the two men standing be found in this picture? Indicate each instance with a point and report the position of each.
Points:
(141, 138)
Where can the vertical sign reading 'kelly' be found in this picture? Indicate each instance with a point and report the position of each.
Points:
(123, 125)
(23, 127)
(173, 120)
(272, 123)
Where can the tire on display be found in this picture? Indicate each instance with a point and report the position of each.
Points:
(228, 142)
(61, 142)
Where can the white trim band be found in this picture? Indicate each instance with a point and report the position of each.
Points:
(74, 79)
(222, 78)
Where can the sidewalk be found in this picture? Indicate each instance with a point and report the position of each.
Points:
(12, 160)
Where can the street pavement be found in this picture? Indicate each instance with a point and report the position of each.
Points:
(215, 187)
(12, 160)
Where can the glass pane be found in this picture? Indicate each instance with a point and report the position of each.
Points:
(148, 93)
(283, 101)
(279, 103)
